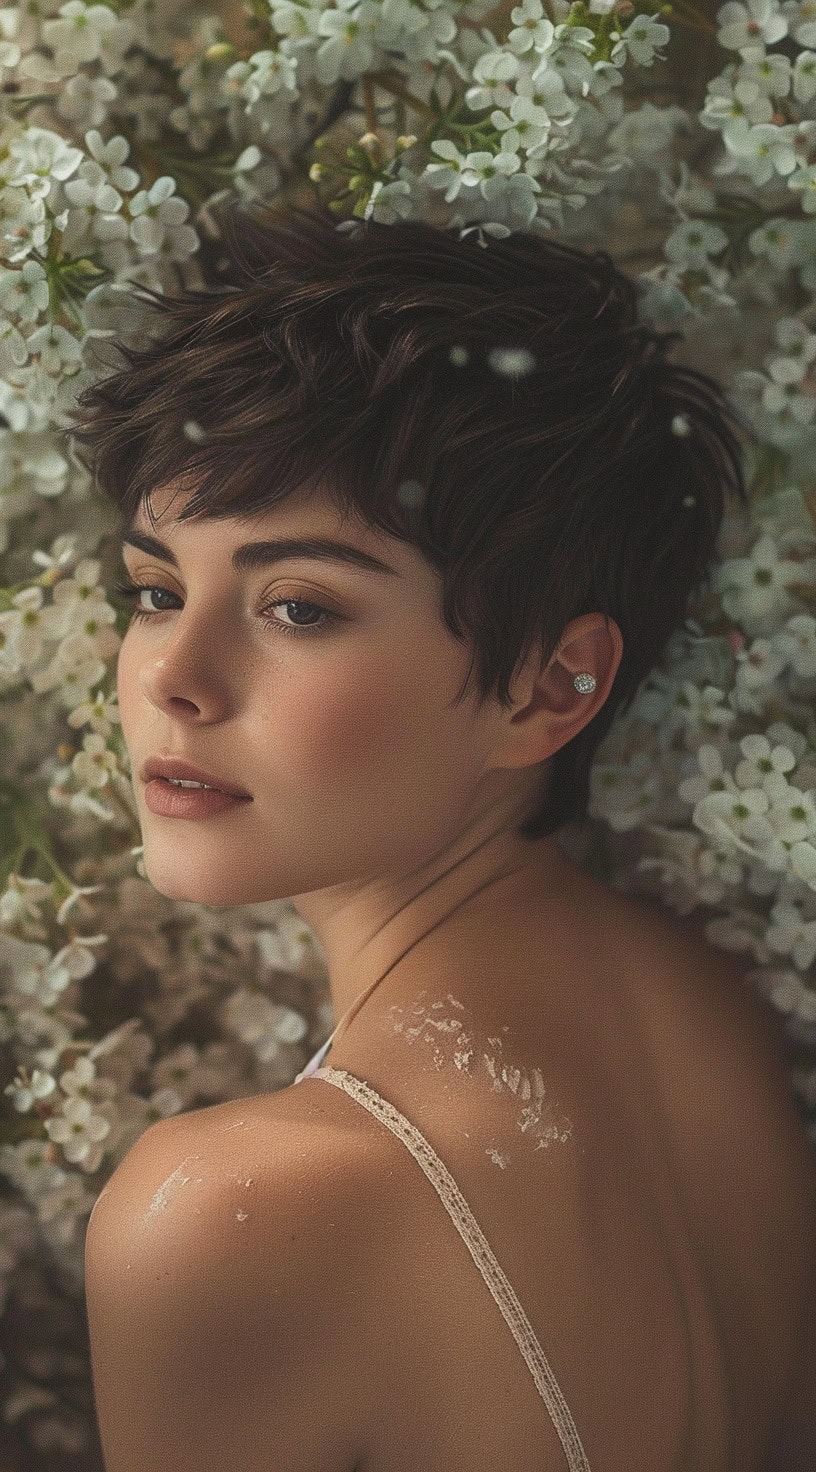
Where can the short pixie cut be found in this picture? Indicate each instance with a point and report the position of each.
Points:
(496, 405)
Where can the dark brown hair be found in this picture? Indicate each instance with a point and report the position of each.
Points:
(380, 360)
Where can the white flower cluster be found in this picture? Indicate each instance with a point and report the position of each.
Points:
(119, 125)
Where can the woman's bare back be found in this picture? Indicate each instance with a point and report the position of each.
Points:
(631, 1151)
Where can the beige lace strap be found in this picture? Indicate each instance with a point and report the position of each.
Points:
(479, 1249)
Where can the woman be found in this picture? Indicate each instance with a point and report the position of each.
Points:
(415, 458)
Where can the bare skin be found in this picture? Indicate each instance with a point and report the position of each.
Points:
(661, 1263)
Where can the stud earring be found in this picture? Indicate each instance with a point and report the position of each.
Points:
(584, 683)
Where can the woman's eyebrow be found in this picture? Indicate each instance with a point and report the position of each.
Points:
(253, 555)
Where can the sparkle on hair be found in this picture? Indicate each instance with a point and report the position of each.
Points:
(512, 362)
(410, 493)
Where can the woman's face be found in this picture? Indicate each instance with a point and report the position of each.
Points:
(358, 764)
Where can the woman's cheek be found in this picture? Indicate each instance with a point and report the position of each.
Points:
(348, 719)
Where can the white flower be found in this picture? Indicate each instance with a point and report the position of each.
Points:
(778, 240)
(263, 75)
(9, 49)
(750, 26)
(13, 350)
(56, 348)
(294, 20)
(781, 395)
(389, 202)
(99, 711)
(83, 585)
(492, 73)
(157, 219)
(646, 131)
(86, 33)
(763, 149)
(739, 819)
(753, 588)
(21, 900)
(448, 175)
(349, 48)
(93, 765)
(757, 667)
(24, 1095)
(641, 38)
(801, 21)
(768, 76)
(570, 56)
(545, 92)
(792, 813)
(481, 166)
(729, 99)
(532, 29)
(804, 76)
(74, 668)
(692, 242)
(63, 548)
(714, 778)
(797, 642)
(761, 760)
(789, 935)
(28, 623)
(110, 158)
(39, 156)
(94, 213)
(85, 101)
(77, 1128)
(526, 127)
(76, 1080)
(804, 179)
(24, 293)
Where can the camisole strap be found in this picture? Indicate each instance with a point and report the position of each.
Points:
(479, 1249)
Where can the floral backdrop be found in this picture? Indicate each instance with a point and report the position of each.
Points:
(682, 139)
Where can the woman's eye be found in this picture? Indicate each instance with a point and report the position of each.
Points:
(133, 591)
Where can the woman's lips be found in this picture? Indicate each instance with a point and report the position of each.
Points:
(167, 801)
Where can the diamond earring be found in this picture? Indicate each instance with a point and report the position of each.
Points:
(584, 683)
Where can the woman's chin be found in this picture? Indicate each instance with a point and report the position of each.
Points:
(182, 882)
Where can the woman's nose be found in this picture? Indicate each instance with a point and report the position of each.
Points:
(185, 679)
